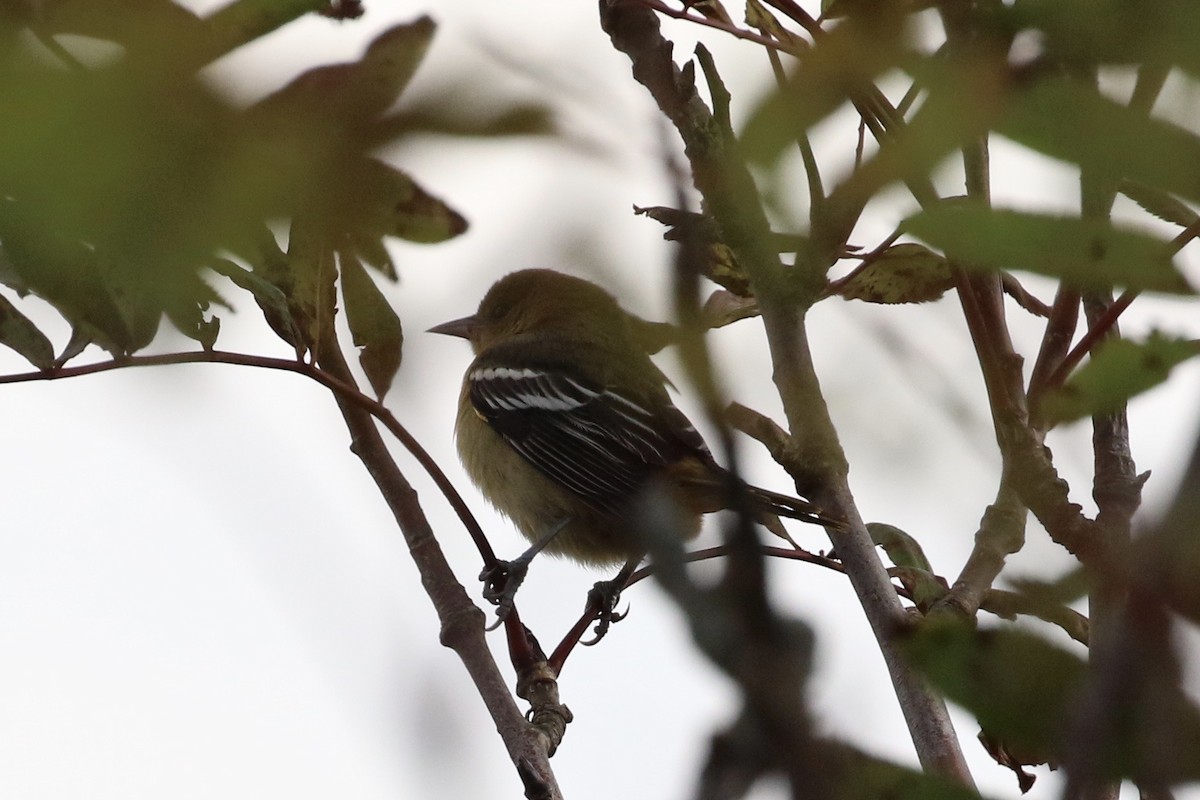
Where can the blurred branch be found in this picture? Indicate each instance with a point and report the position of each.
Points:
(732, 200)
(812, 171)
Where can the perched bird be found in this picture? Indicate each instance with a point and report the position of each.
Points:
(563, 419)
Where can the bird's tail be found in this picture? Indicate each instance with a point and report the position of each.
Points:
(783, 505)
(710, 492)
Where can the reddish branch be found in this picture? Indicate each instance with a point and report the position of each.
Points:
(461, 621)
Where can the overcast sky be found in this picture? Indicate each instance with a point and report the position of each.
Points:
(202, 594)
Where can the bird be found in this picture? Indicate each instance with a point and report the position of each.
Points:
(564, 422)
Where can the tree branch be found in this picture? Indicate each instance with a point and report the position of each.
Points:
(732, 200)
(461, 620)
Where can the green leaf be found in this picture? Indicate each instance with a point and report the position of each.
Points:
(67, 275)
(1073, 122)
(80, 339)
(854, 775)
(1115, 31)
(1159, 203)
(449, 114)
(119, 184)
(924, 587)
(1119, 370)
(197, 326)
(1083, 252)
(338, 105)
(377, 200)
(372, 252)
(1018, 686)
(903, 273)
(269, 298)
(374, 325)
(153, 26)
(1074, 585)
(911, 566)
(963, 100)
(190, 318)
(839, 66)
(311, 278)
(901, 548)
(18, 332)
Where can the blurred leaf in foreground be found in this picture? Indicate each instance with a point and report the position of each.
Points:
(1119, 370)
(1084, 252)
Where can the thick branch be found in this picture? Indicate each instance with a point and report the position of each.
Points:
(1001, 533)
(732, 200)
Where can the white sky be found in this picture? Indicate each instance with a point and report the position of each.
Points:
(202, 595)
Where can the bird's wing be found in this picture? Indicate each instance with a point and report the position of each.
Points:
(597, 441)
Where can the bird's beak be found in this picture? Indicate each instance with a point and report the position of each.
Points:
(462, 328)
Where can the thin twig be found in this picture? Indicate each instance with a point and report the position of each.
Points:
(798, 15)
(765, 41)
(351, 393)
(1089, 340)
(1106, 321)
(461, 620)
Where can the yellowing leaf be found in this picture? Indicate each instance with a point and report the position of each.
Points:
(903, 273)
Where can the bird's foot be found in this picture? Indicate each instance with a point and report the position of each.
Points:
(500, 583)
(604, 596)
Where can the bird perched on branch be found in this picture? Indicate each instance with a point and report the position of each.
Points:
(563, 420)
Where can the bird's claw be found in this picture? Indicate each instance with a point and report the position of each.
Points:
(500, 583)
(604, 596)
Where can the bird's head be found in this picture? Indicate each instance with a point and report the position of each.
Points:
(544, 301)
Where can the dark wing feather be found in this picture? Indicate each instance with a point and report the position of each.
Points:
(597, 442)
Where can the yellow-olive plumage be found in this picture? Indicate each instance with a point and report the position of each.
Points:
(564, 417)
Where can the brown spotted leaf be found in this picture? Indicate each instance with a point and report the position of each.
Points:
(903, 273)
